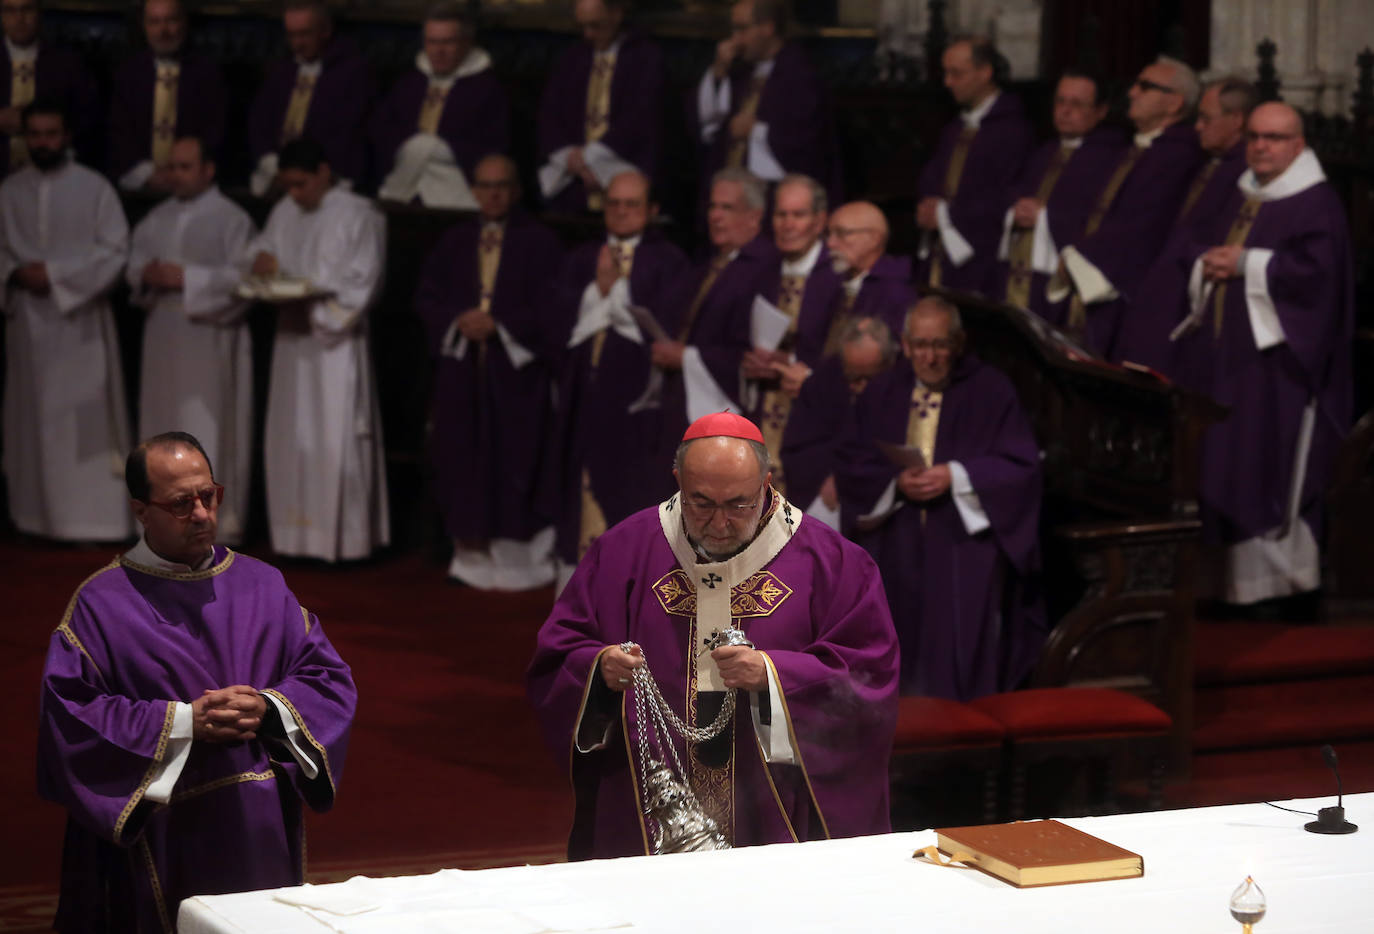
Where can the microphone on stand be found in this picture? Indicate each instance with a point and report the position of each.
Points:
(1331, 820)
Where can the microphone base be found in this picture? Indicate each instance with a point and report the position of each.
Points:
(1331, 821)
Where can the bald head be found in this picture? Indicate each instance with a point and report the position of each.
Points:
(856, 237)
(1274, 138)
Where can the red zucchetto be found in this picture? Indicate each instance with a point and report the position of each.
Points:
(723, 425)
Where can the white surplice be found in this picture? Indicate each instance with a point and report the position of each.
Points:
(325, 475)
(66, 427)
(197, 354)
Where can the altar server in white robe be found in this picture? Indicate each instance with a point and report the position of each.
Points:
(325, 476)
(185, 264)
(63, 243)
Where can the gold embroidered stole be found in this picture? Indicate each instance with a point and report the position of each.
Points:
(921, 425)
(954, 172)
(835, 335)
(597, 120)
(777, 405)
(488, 261)
(720, 261)
(1078, 311)
(432, 107)
(298, 107)
(1236, 236)
(1022, 239)
(712, 596)
(734, 157)
(1195, 190)
(165, 111)
(21, 93)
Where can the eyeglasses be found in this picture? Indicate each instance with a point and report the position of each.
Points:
(704, 512)
(1145, 84)
(183, 506)
(939, 344)
(1269, 137)
(844, 233)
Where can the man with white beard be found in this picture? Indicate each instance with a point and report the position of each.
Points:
(185, 265)
(326, 480)
(63, 242)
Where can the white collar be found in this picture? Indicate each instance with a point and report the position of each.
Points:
(612, 50)
(476, 61)
(21, 53)
(309, 68)
(764, 68)
(143, 555)
(160, 61)
(764, 547)
(974, 118)
(631, 242)
(1304, 172)
(203, 198)
(1145, 140)
(1071, 142)
(852, 286)
(803, 265)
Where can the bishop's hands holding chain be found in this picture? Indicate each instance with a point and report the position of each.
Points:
(740, 666)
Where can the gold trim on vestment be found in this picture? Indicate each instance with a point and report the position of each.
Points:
(237, 779)
(300, 722)
(180, 575)
(65, 628)
(582, 709)
(158, 753)
(796, 747)
(305, 615)
(634, 775)
(156, 884)
(714, 786)
(758, 595)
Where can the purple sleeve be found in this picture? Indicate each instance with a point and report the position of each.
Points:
(637, 109)
(1006, 477)
(443, 291)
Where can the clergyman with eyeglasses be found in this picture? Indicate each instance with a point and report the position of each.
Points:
(950, 510)
(189, 704)
(1266, 330)
(1101, 267)
(724, 597)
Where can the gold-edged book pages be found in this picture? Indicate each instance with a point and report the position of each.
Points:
(1041, 852)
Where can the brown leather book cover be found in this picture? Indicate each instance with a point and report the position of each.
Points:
(1042, 852)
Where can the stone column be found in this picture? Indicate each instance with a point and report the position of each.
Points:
(901, 26)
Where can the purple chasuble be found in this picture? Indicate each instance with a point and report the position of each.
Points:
(636, 117)
(822, 298)
(967, 607)
(815, 610)
(994, 161)
(1159, 300)
(596, 431)
(133, 643)
(815, 426)
(719, 332)
(61, 76)
(201, 103)
(1248, 458)
(1136, 225)
(491, 418)
(1069, 204)
(796, 107)
(475, 121)
(339, 109)
(886, 293)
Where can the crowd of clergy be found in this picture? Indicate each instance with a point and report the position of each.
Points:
(1205, 245)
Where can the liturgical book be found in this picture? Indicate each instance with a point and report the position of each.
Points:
(1042, 852)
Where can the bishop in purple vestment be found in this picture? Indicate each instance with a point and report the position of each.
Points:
(965, 186)
(1270, 289)
(42, 71)
(1054, 195)
(453, 76)
(328, 74)
(953, 522)
(762, 106)
(1133, 214)
(876, 284)
(484, 296)
(804, 755)
(189, 705)
(577, 110)
(608, 437)
(709, 330)
(140, 138)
